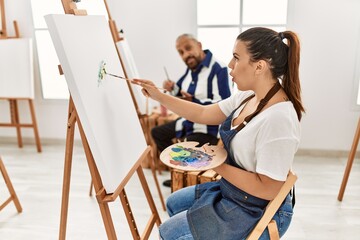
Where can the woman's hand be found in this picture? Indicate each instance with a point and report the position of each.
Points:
(149, 89)
(168, 85)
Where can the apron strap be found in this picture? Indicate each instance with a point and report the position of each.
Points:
(261, 105)
(292, 193)
(243, 102)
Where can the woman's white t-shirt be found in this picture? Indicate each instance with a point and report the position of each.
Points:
(268, 143)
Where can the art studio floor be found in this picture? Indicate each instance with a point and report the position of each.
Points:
(37, 179)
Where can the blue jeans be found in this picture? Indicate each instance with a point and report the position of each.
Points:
(177, 226)
(177, 204)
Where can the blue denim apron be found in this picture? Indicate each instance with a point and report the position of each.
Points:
(223, 211)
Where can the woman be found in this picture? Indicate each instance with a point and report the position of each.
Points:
(260, 129)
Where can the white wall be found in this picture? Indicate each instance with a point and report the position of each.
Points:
(151, 28)
(329, 32)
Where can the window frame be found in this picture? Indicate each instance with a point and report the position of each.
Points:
(240, 24)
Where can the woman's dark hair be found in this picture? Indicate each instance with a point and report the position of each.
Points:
(283, 58)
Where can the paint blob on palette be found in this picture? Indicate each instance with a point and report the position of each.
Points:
(188, 156)
(183, 156)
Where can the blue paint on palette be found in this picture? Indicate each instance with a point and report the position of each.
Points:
(189, 157)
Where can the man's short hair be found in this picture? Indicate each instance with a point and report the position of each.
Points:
(187, 35)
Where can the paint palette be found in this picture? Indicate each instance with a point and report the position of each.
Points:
(187, 156)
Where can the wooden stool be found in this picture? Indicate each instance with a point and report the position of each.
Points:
(181, 179)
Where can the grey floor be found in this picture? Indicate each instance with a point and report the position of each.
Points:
(37, 179)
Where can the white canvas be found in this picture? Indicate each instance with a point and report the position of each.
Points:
(106, 110)
(132, 72)
(16, 68)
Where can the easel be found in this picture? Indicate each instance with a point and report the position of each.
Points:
(13, 197)
(143, 118)
(146, 120)
(349, 162)
(102, 197)
(3, 31)
(13, 102)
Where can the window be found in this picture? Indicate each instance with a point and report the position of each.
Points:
(220, 21)
(53, 85)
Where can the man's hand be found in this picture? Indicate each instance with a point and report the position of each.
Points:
(186, 96)
(168, 85)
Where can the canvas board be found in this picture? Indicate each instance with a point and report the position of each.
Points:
(106, 110)
(16, 68)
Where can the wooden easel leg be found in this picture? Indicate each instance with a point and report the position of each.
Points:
(156, 159)
(128, 212)
(349, 162)
(34, 123)
(153, 171)
(16, 27)
(99, 189)
(129, 216)
(145, 123)
(106, 215)
(13, 197)
(108, 222)
(148, 195)
(91, 187)
(3, 33)
(151, 123)
(104, 208)
(14, 112)
(67, 170)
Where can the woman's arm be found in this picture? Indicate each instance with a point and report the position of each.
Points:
(255, 184)
(209, 114)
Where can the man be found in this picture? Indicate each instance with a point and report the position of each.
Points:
(206, 80)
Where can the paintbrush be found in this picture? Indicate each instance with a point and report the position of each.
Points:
(113, 75)
(166, 73)
(102, 72)
(131, 81)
